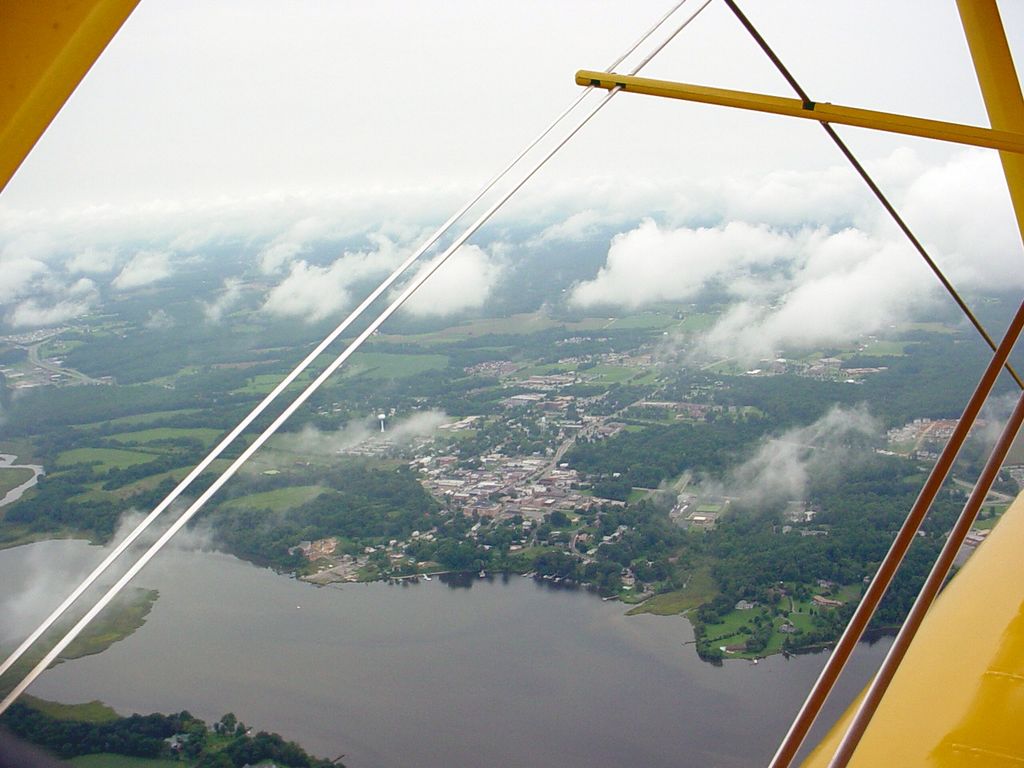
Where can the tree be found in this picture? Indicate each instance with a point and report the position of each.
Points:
(226, 724)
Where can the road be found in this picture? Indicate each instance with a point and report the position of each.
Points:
(71, 373)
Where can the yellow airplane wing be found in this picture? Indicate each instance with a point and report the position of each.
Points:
(958, 697)
(46, 47)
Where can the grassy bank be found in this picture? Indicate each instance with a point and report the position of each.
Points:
(700, 588)
(119, 621)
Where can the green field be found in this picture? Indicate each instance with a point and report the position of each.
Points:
(884, 348)
(611, 374)
(12, 478)
(652, 320)
(277, 500)
(727, 631)
(263, 383)
(206, 435)
(933, 327)
(56, 346)
(643, 379)
(698, 322)
(534, 322)
(531, 322)
(152, 481)
(94, 493)
(107, 760)
(141, 419)
(638, 494)
(699, 589)
(375, 365)
(108, 458)
(90, 712)
(547, 369)
(382, 365)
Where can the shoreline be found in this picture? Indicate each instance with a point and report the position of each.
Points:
(454, 579)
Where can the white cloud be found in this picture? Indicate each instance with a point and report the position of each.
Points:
(30, 313)
(313, 292)
(832, 266)
(277, 255)
(780, 468)
(399, 429)
(849, 285)
(578, 226)
(463, 282)
(651, 263)
(230, 296)
(962, 211)
(159, 320)
(92, 261)
(55, 304)
(419, 424)
(17, 275)
(145, 267)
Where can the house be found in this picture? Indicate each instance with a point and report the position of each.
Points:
(825, 602)
(177, 742)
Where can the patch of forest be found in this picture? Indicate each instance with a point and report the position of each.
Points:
(228, 744)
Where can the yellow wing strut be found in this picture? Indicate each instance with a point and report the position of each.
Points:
(1005, 140)
(46, 47)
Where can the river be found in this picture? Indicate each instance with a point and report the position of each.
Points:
(503, 672)
(7, 462)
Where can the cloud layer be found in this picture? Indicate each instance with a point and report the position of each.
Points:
(313, 292)
(803, 257)
(144, 268)
(817, 271)
(463, 282)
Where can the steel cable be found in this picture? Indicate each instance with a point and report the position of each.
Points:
(189, 513)
(930, 590)
(875, 189)
(203, 465)
(858, 623)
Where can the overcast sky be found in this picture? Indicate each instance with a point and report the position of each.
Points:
(196, 99)
(287, 125)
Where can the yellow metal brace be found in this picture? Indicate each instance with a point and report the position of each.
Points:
(1004, 140)
(999, 86)
(958, 697)
(46, 47)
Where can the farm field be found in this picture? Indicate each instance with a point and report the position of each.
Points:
(278, 499)
(205, 435)
(108, 458)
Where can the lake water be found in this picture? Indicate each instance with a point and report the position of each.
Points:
(504, 672)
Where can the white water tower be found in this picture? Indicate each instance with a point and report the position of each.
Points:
(381, 416)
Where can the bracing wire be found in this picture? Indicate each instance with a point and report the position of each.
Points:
(875, 189)
(929, 590)
(836, 662)
(203, 465)
(883, 577)
(414, 284)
